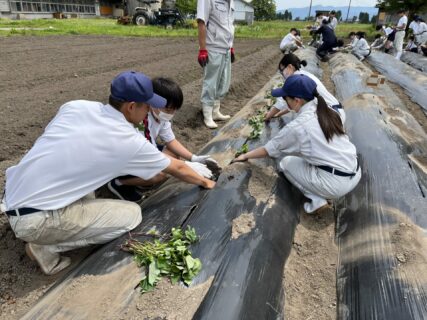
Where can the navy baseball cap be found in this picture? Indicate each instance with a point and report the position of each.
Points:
(298, 86)
(131, 86)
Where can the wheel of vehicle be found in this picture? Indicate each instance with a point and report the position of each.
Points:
(140, 19)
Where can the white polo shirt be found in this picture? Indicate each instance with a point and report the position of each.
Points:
(218, 16)
(333, 24)
(161, 129)
(289, 38)
(414, 26)
(321, 89)
(303, 137)
(86, 145)
(403, 21)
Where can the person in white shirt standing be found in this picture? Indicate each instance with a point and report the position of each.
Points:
(215, 20)
(333, 22)
(290, 42)
(157, 125)
(361, 49)
(400, 33)
(49, 194)
(316, 154)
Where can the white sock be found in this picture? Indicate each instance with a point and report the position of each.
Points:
(398, 55)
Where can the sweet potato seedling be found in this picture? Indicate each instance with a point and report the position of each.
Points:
(166, 257)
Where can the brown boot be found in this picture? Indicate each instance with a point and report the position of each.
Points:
(49, 262)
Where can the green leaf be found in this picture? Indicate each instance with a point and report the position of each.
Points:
(153, 272)
(189, 261)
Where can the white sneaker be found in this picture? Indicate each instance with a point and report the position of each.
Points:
(49, 262)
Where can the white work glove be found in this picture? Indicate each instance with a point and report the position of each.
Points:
(203, 159)
(200, 168)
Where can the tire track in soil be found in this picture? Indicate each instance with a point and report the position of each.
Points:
(25, 112)
(310, 272)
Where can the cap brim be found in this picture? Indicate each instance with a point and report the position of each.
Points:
(279, 92)
(157, 101)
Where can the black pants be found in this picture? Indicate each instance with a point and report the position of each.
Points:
(323, 50)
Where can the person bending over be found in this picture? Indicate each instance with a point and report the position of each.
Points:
(157, 125)
(49, 195)
(289, 65)
(316, 154)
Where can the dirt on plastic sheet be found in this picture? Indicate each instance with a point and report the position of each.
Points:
(242, 224)
(261, 182)
(39, 74)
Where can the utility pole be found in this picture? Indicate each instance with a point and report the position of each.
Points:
(309, 10)
(348, 11)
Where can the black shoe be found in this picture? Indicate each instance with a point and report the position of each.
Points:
(123, 192)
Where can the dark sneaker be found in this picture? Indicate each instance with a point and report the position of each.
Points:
(123, 192)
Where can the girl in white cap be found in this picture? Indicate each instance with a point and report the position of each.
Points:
(317, 156)
(290, 64)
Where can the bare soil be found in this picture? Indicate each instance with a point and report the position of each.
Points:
(310, 271)
(39, 74)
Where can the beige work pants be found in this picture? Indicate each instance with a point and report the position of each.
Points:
(85, 222)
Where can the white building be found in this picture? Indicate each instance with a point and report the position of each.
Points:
(243, 11)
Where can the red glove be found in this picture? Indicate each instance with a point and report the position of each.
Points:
(203, 58)
(232, 55)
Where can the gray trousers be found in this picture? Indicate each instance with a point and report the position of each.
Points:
(84, 222)
(217, 77)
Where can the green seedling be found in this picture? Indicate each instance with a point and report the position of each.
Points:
(243, 149)
(257, 124)
(166, 257)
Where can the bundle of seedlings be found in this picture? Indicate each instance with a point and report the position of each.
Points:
(167, 256)
(257, 124)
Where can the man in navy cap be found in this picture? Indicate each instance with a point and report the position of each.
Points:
(49, 195)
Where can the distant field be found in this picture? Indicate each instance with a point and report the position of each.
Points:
(101, 26)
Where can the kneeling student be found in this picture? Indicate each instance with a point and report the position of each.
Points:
(49, 195)
(361, 49)
(157, 124)
(317, 156)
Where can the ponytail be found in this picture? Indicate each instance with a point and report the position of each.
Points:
(292, 59)
(329, 120)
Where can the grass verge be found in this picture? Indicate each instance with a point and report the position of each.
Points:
(103, 26)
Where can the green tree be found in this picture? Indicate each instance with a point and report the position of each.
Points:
(338, 15)
(286, 16)
(410, 5)
(187, 6)
(374, 19)
(290, 16)
(264, 9)
(364, 17)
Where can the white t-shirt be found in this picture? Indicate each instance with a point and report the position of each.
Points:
(321, 89)
(333, 24)
(362, 44)
(161, 129)
(303, 137)
(86, 145)
(414, 26)
(289, 38)
(218, 16)
(422, 28)
(402, 21)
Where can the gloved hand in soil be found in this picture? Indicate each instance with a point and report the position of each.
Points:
(200, 168)
(203, 57)
(202, 159)
(232, 55)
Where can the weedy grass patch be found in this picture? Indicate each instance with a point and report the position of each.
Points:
(106, 26)
(166, 257)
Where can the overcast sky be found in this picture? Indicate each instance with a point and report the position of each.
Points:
(283, 4)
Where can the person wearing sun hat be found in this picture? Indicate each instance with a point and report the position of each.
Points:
(316, 154)
(48, 196)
